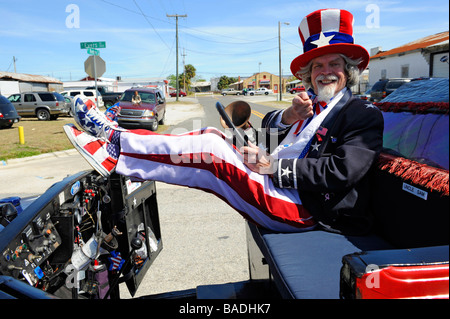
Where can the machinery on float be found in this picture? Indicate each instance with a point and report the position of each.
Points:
(80, 239)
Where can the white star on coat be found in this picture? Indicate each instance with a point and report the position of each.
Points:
(323, 40)
(315, 147)
(370, 106)
(285, 172)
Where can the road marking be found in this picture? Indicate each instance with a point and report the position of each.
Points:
(258, 114)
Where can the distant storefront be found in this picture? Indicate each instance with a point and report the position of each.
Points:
(201, 86)
(264, 80)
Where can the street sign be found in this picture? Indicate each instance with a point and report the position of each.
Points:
(94, 45)
(93, 51)
(95, 66)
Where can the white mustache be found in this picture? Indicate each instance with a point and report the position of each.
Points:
(330, 77)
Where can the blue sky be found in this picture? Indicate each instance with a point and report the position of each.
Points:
(234, 38)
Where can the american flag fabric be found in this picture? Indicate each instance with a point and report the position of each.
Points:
(93, 149)
(205, 160)
(322, 131)
(93, 121)
(115, 261)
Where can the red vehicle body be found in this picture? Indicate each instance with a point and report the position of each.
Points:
(297, 89)
(174, 93)
(147, 114)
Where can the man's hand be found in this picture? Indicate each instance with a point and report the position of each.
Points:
(301, 109)
(258, 160)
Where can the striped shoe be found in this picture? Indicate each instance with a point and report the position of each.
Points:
(93, 121)
(101, 155)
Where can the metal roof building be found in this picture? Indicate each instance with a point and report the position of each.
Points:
(11, 83)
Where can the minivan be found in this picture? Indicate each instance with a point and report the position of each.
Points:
(147, 114)
(85, 95)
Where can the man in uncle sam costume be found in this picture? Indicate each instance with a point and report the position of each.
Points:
(316, 176)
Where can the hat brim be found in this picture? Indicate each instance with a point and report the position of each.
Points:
(353, 51)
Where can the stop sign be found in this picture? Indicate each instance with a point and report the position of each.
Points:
(98, 70)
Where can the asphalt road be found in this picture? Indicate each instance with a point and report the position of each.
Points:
(203, 238)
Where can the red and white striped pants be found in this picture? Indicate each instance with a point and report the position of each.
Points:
(204, 159)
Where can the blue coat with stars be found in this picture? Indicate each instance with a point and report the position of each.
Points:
(333, 180)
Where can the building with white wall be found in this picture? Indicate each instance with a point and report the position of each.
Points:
(11, 83)
(424, 57)
(119, 84)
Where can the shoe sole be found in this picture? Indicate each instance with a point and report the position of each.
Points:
(87, 156)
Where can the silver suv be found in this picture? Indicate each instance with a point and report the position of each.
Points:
(43, 105)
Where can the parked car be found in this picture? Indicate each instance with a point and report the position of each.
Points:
(43, 105)
(109, 98)
(174, 93)
(297, 89)
(230, 92)
(8, 114)
(148, 114)
(264, 91)
(247, 91)
(69, 102)
(85, 95)
(383, 88)
(365, 95)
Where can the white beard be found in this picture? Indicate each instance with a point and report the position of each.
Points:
(326, 92)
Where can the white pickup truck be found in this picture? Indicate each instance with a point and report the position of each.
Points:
(230, 92)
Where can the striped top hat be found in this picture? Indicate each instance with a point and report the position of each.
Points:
(328, 31)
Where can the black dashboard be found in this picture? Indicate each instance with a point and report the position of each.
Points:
(80, 239)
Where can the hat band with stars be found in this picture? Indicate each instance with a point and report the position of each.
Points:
(326, 38)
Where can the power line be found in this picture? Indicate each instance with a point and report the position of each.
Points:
(239, 53)
(184, 27)
(212, 33)
(248, 42)
(295, 45)
(12, 61)
(150, 24)
(167, 60)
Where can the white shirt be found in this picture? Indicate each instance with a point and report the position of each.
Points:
(294, 143)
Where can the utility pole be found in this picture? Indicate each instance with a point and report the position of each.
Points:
(184, 71)
(176, 16)
(279, 58)
(14, 60)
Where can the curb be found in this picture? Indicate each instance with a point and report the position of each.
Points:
(38, 157)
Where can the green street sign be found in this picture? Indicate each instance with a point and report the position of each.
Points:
(93, 45)
(93, 51)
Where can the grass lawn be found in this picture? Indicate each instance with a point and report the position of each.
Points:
(40, 137)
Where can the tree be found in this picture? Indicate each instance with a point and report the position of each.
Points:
(190, 73)
(187, 75)
(225, 81)
(172, 80)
